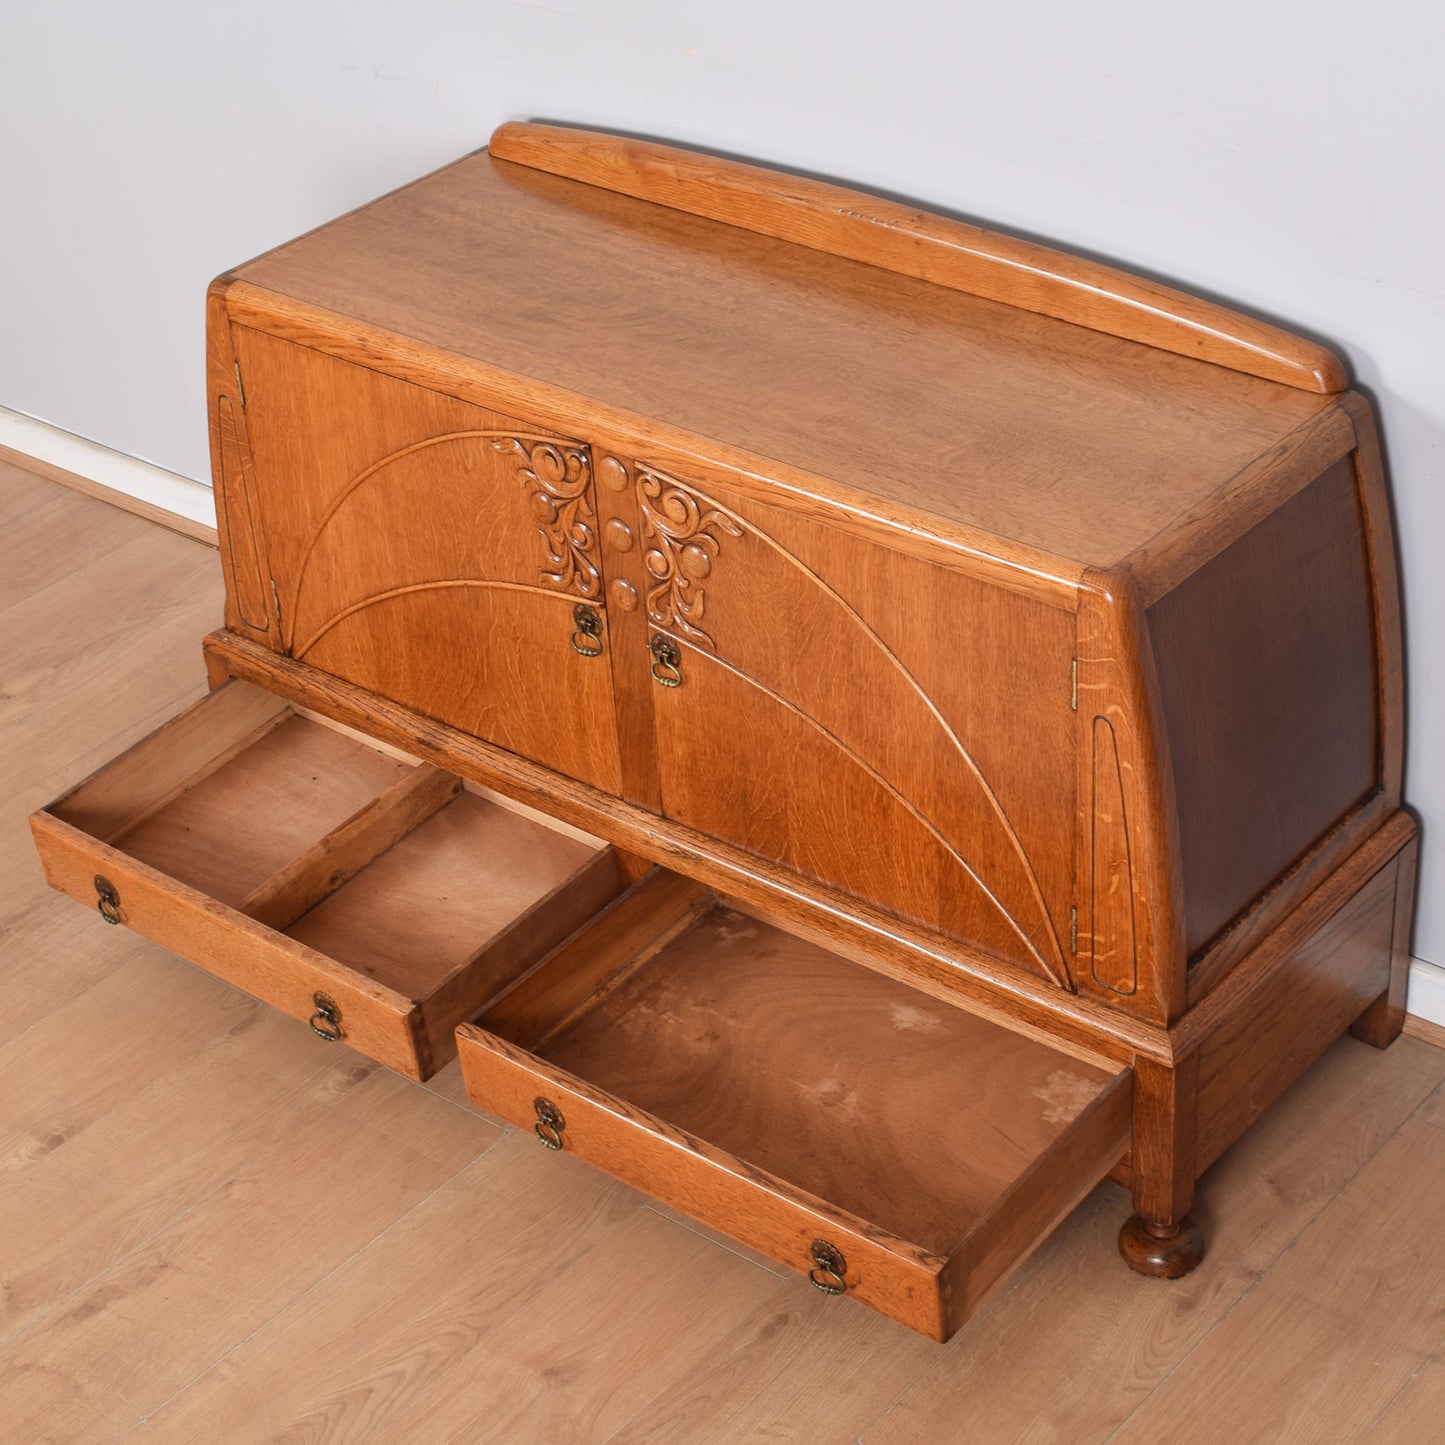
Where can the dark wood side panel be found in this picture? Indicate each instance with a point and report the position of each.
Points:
(1303, 1003)
(1267, 672)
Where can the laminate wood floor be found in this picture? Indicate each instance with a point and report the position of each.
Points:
(215, 1229)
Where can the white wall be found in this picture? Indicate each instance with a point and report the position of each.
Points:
(1288, 158)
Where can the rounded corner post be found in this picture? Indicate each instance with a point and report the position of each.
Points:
(1118, 686)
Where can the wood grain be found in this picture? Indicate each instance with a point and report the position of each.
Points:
(101, 655)
(1002, 1375)
(786, 1062)
(1414, 1415)
(235, 828)
(844, 924)
(468, 623)
(75, 1374)
(547, 997)
(933, 248)
(992, 399)
(379, 1338)
(1393, 1291)
(1347, 960)
(1270, 706)
(116, 501)
(374, 828)
(239, 1095)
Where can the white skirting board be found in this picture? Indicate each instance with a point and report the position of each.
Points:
(1426, 999)
(91, 462)
(153, 485)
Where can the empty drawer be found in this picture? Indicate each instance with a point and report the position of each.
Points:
(369, 894)
(891, 1146)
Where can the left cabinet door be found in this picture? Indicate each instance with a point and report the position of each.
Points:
(431, 551)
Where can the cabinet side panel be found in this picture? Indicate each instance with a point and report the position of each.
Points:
(1267, 673)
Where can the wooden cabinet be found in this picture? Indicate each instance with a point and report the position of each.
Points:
(857, 725)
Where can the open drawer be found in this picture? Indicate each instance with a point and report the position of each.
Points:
(888, 1144)
(370, 894)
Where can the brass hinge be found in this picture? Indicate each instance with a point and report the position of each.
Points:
(1074, 684)
(240, 390)
(1074, 929)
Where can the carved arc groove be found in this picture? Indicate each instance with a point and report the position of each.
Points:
(390, 593)
(713, 507)
(366, 475)
(893, 792)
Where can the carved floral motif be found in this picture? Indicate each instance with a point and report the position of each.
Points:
(685, 532)
(556, 475)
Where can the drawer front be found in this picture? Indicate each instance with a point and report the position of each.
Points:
(268, 965)
(706, 1183)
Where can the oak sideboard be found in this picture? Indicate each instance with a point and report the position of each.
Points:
(858, 725)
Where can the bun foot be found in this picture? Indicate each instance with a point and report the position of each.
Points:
(1162, 1251)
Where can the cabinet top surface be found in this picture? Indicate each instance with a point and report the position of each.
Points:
(934, 402)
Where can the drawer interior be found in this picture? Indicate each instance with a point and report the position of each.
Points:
(423, 908)
(853, 1095)
(342, 853)
(229, 830)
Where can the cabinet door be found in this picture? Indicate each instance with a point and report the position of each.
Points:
(433, 552)
(879, 722)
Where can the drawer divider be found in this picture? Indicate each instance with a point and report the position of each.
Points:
(339, 856)
(533, 935)
(575, 976)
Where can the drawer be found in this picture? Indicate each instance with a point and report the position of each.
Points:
(891, 1146)
(375, 896)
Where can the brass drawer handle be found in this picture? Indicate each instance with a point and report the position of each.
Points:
(587, 635)
(107, 899)
(550, 1123)
(326, 1021)
(828, 1269)
(666, 660)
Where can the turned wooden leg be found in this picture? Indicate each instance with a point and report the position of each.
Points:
(1162, 1251)
(1381, 1023)
(1160, 1240)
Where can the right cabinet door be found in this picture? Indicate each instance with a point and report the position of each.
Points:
(882, 723)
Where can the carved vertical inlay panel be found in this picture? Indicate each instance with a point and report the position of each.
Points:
(684, 536)
(558, 476)
(1112, 946)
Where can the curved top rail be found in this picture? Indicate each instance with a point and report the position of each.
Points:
(927, 247)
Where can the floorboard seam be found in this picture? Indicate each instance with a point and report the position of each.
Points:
(1260, 1278)
(314, 1285)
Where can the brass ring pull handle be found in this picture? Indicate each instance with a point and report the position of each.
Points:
(828, 1269)
(550, 1123)
(326, 1021)
(587, 636)
(666, 660)
(107, 899)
